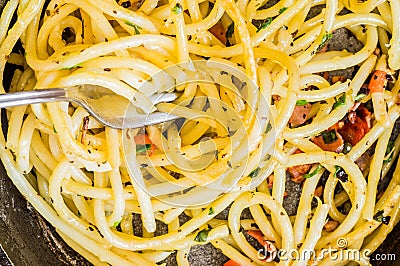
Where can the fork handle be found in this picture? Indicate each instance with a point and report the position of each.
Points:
(30, 97)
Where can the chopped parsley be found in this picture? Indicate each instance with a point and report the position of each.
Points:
(202, 235)
(329, 136)
(116, 223)
(324, 41)
(211, 211)
(266, 23)
(341, 101)
(359, 97)
(54, 130)
(230, 30)
(389, 147)
(177, 9)
(389, 151)
(254, 173)
(313, 173)
(72, 67)
(283, 9)
(268, 129)
(135, 27)
(141, 148)
(380, 218)
(301, 102)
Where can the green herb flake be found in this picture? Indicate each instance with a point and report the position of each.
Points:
(313, 173)
(116, 223)
(378, 216)
(301, 102)
(324, 41)
(389, 147)
(329, 136)
(177, 9)
(54, 130)
(254, 173)
(388, 160)
(359, 97)
(389, 151)
(267, 22)
(135, 27)
(268, 129)
(337, 169)
(211, 211)
(341, 101)
(142, 148)
(202, 235)
(283, 9)
(72, 67)
(230, 30)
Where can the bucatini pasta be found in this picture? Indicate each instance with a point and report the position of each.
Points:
(258, 103)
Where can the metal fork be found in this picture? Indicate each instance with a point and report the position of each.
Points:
(108, 108)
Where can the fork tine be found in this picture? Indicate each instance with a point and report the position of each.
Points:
(156, 117)
(164, 97)
(148, 120)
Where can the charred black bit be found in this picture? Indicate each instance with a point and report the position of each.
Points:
(341, 174)
(363, 90)
(126, 4)
(68, 36)
(386, 220)
(389, 77)
(254, 225)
